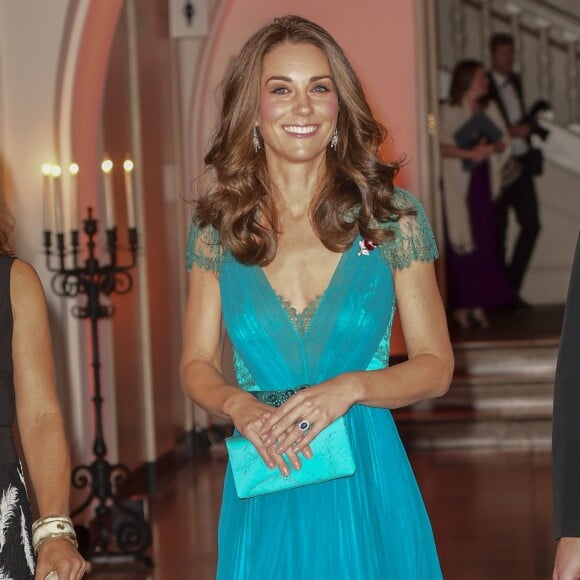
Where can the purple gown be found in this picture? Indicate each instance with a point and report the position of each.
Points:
(478, 278)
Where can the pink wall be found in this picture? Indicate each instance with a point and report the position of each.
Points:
(377, 36)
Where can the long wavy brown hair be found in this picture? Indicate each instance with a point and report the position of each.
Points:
(354, 195)
(461, 79)
(6, 225)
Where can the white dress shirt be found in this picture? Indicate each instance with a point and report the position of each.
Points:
(511, 103)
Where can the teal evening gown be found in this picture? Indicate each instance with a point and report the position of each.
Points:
(373, 525)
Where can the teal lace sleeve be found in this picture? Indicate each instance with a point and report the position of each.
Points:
(414, 239)
(204, 248)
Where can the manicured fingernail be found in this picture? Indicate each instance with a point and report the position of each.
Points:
(307, 454)
(296, 464)
(285, 472)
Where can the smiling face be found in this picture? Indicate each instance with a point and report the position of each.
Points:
(298, 105)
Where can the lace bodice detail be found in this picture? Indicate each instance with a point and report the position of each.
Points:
(277, 347)
(414, 240)
(300, 319)
(204, 249)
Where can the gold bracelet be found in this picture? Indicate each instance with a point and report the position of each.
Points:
(50, 519)
(45, 539)
(52, 527)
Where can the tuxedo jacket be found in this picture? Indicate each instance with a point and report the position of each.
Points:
(495, 95)
(566, 422)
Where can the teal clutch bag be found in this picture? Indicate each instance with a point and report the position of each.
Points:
(332, 458)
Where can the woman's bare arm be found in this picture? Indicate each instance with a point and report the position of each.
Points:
(40, 422)
(39, 417)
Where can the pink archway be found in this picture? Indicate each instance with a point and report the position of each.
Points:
(88, 90)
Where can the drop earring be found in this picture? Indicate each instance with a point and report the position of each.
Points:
(255, 140)
(334, 140)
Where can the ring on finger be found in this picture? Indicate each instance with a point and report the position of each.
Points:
(304, 425)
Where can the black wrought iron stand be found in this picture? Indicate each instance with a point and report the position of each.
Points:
(128, 538)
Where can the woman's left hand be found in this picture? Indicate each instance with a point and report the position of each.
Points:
(318, 406)
(60, 557)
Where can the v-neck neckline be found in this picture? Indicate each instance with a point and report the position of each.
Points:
(301, 320)
(318, 300)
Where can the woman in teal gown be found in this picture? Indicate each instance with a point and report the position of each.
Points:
(310, 300)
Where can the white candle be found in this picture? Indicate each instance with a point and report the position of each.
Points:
(128, 167)
(47, 200)
(107, 167)
(57, 184)
(74, 217)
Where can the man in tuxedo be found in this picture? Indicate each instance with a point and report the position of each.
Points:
(505, 88)
(566, 436)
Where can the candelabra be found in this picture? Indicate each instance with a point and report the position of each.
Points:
(132, 536)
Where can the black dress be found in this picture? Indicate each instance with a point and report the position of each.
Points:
(16, 554)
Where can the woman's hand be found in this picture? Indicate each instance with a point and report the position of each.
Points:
(318, 406)
(62, 558)
(567, 564)
(521, 130)
(249, 416)
(481, 152)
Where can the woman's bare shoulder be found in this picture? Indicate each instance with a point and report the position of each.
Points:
(25, 285)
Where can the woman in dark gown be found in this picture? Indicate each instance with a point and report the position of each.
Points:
(28, 395)
(471, 178)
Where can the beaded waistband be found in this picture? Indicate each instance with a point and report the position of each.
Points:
(276, 398)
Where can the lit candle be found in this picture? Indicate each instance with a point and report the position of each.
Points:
(107, 167)
(128, 167)
(58, 221)
(73, 171)
(47, 200)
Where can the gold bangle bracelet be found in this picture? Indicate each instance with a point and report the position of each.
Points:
(70, 538)
(51, 519)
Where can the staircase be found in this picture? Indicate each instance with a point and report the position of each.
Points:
(502, 390)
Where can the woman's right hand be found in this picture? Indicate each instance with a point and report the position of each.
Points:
(249, 415)
(481, 152)
(62, 558)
